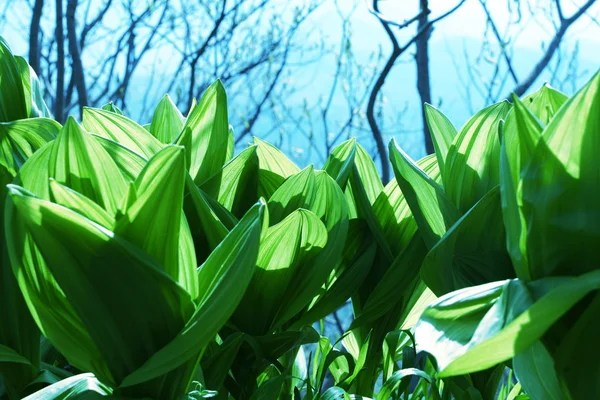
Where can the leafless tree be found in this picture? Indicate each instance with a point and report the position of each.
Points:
(497, 48)
(391, 26)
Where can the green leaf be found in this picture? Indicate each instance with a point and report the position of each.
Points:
(154, 221)
(578, 376)
(223, 279)
(287, 254)
(112, 108)
(560, 189)
(8, 355)
(209, 125)
(476, 328)
(340, 162)
(167, 121)
(20, 139)
(120, 129)
(471, 252)
(77, 202)
(520, 136)
(433, 211)
(442, 132)
(545, 103)
(334, 393)
(274, 168)
(12, 93)
(235, 185)
(355, 264)
(87, 261)
(472, 165)
(34, 96)
(130, 163)
(535, 371)
(397, 378)
(105, 186)
(76, 386)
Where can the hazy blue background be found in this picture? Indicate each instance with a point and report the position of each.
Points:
(460, 34)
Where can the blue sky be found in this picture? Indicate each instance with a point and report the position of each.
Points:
(460, 33)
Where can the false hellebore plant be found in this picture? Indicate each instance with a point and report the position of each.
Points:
(519, 199)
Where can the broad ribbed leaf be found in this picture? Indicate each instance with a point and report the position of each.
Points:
(154, 221)
(45, 299)
(471, 252)
(235, 185)
(298, 191)
(74, 162)
(433, 211)
(340, 162)
(349, 274)
(397, 378)
(545, 102)
(223, 279)
(79, 386)
(129, 162)
(12, 94)
(287, 256)
(120, 129)
(112, 108)
(536, 372)
(442, 132)
(561, 200)
(87, 262)
(274, 168)
(20, 139)
(167, 121)
(77, 202)
(209, 125)
(209, 222)
(521, 134)
(476, 328)
(34, 96)
(396, 284)
(473, 162)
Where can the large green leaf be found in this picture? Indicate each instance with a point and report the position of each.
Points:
(12, 93)
(442, 132)
(476, 328)
(520, 135)
(106, 186)
(167, 121)
(287, 255)
(274, 168)
(87, 261)
(209, 126)
(340, 162)
(120, 129)
(235, 185)
(473, 161)
(561, 199)
(76, 387)
(34, 96)
(433, 211)
(471, 252)
(223, 279)
(154, 219)
(545, 102)
(536, 372)
(20, 139)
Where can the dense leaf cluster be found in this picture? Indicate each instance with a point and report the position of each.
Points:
(150, 262)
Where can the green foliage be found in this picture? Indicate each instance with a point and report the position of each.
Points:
(149, 261)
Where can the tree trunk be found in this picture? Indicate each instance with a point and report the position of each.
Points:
(77, 65)
(34, 36)
(59, 102)
(422, 62)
